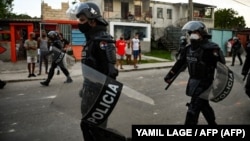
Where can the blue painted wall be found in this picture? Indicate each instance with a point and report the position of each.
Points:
(220, 37)
(78, 38)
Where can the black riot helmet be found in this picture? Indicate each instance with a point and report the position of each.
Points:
(91, 11)
(53, 35)
(198, 26)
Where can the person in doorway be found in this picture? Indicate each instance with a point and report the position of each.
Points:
(43, 46)
(57, 59)
(31, 49)
(120, 51)
(99, 55)
(236, 50)
(200, 57)
(135, 44)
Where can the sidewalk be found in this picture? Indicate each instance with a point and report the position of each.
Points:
(16, 72)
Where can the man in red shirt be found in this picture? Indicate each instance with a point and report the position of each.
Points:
(120, 51)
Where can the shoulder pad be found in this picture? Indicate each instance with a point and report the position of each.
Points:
(211, 45)
(104, 36)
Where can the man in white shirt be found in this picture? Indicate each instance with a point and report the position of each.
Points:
(135, 44)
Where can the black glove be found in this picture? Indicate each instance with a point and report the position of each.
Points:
(168, 77)
(113, 72)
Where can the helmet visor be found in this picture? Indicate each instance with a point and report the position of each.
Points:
(193, 26)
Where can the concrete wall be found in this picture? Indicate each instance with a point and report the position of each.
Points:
(48, 13)
(6, 55)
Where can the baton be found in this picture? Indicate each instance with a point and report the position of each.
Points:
(175, 76)
(172, 80)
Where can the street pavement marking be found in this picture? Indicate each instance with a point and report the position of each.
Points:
(49, 97)
(137, 95)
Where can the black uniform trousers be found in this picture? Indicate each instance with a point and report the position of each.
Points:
(198, 105)
(53, 67)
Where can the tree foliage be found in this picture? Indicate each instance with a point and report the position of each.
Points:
(5, 8)
(228, 19)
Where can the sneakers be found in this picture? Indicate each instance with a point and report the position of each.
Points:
(44, 83)
(2, 84)
(31, 75)
(69, 80)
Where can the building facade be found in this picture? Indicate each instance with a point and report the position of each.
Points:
(152, 19)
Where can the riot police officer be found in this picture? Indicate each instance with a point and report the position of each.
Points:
(183, 43)
(57, 57)
(99, 53)
(200, 57)
(245, 69)
(236, 50)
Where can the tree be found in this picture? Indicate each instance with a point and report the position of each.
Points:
(5, 8)
(228, 19)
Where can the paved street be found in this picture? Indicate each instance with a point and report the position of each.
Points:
(30, 112)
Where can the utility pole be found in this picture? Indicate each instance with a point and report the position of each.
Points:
(190, 10)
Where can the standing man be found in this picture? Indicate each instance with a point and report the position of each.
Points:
(57, 58)
(31, 51)
(97, 54)
(44, 51)
(120, 51)
(201, 58)
(236, 47)
(135, 44)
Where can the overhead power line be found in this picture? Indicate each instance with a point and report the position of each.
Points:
(238, 1)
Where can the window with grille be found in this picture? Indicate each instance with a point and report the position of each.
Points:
(108, 5)
(149, 13)
(137, 10)
(160, 13)
(169, 13)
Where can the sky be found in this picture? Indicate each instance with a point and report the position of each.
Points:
(33, 7)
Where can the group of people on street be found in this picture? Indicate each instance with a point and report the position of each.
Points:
(129, 49)
(54, 46)
(198, 54)
(105, 54)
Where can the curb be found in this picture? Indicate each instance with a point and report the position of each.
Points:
(128, 70)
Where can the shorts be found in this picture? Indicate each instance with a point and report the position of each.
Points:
(31, 59)
(136, 53)
(119, 57)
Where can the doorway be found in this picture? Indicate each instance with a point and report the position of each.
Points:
(21, 34)
(124, 10)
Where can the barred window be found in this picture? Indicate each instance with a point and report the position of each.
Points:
(149, 13)
(160, 13)
(137, 10)
(169, 13)
(108, 5)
